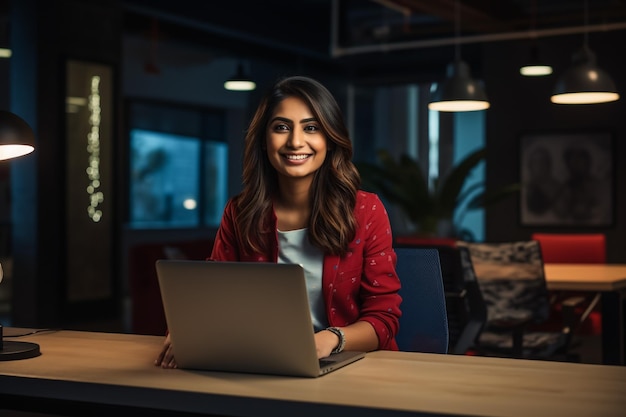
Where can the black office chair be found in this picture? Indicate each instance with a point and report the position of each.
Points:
(467, 310)
(424, 323)
(512, 281)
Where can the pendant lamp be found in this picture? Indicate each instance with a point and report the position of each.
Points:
(240, 81)
(583, 82)
(459, 91)
(534, 67)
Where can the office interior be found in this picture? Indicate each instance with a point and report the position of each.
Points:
(161, 67)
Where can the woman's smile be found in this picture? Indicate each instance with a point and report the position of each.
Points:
(297, 158)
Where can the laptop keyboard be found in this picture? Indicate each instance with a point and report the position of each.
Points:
(325, 362)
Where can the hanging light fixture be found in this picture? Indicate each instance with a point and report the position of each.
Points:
(240, 81)
(534, 67)
(584, 82)
(459, 92)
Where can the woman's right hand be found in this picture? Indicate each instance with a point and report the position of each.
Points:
(166, 357)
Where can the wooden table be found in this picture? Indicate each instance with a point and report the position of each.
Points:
(84, 373)
(610, 281)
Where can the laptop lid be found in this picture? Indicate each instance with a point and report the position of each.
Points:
(242, 317)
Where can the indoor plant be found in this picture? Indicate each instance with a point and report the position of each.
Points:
(402, 182)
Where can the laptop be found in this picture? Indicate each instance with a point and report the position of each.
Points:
(242, 317)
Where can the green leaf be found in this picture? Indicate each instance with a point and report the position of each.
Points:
(402, 182)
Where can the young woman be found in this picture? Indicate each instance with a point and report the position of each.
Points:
(301, 203)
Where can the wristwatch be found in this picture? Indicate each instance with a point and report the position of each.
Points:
(341, 336)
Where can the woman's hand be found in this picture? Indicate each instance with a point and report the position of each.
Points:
(325, 342)
(166, 357)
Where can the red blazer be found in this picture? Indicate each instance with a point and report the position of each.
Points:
(362, 285)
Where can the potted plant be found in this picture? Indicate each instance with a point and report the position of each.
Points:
(431, 209)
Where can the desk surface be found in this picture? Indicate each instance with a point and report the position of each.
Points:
(117, 370)
(586, 277)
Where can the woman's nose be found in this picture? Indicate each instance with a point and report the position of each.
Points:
(296, 139)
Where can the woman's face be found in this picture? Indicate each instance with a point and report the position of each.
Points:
(296, 146)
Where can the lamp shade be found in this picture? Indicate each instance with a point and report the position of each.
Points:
(459, 92)
(240, 81)
(584, 82)
(534, 67)
(16, 136)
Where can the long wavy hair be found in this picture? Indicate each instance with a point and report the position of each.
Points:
(332, 225)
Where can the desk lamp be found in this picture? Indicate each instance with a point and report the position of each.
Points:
(16, 139)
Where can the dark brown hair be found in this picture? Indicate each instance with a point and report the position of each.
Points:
(332, 224)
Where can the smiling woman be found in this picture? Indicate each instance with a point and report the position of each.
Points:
(301, 203)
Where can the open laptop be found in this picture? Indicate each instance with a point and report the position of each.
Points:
(242, 317)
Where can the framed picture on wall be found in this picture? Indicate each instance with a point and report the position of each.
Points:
(567, 179)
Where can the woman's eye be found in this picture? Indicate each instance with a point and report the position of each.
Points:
(281, 127)
(311, 128)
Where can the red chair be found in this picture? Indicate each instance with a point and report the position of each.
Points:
(572, 248)
(576, 248)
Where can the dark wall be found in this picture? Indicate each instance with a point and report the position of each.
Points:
(521, 104)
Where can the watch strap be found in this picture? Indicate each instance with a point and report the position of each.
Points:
(341, 336)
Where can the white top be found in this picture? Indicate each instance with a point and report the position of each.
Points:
(294, 248)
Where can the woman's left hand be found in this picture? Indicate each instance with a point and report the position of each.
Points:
(325, 342)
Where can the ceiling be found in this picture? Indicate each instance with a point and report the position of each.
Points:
(306, 28)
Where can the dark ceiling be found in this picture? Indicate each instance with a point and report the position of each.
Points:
(305, 27)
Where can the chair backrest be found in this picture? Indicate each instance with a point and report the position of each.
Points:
(424, 241)
(572, 248)
(511, 278)
(465, 307)
(424, 323)
(473, 303)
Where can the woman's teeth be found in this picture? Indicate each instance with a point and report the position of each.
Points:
(296, 157)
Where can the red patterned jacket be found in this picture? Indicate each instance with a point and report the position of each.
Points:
(362, 285)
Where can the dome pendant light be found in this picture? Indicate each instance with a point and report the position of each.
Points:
(459, 92)
(534, 67)
(584, 82)
(240, 81)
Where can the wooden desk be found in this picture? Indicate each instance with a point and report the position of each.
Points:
(610, 281)
(84, 373)
(586, 277)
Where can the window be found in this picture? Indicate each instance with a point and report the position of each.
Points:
(177, 167)
(396, 117)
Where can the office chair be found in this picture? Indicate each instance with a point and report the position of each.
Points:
(465, 307)
(472, 305)
(512, 280)
(572, 248)
(424, 323)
